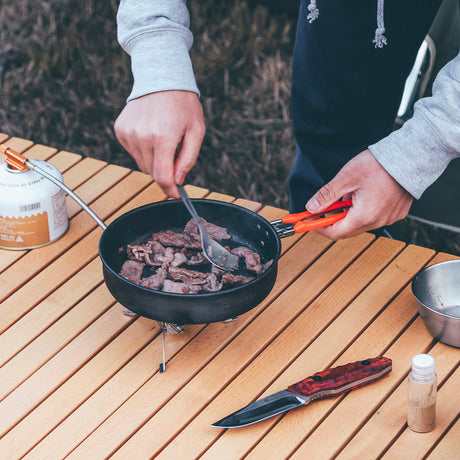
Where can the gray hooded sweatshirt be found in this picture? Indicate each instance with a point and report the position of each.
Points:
(156, 34)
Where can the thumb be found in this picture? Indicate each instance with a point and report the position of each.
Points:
(329, 193)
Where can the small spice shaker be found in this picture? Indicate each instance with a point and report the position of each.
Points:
(422, 383)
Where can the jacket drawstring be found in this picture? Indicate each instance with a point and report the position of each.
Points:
(313, 11)
(379, 39)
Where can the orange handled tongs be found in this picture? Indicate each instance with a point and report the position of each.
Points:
(306, 221)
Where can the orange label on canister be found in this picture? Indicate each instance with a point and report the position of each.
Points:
(24, 232)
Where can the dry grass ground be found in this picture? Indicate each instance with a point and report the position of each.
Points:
(64, 79)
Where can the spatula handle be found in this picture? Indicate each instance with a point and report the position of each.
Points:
(340, 379)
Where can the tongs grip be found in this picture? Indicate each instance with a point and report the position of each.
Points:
(293, 218)
(294, 223)
(302, 227)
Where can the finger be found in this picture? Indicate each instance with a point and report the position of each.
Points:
(163, 167)
(188, 153)
(333, 191)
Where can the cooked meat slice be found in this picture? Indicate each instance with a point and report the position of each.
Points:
(156, 247)
(132, 270)
(230, 278)
(179, 259)
(197, 259)
(156, 280)
(161, 257)
(216, 232)
(167, 258)
(152, 260)
(187, 276)
(251, 259)
(178, 240)
(180, 288)
(212, 284)
(137, 251)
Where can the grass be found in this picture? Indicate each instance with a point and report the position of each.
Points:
(64, 79)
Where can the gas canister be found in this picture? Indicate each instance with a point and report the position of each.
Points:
(33, 210)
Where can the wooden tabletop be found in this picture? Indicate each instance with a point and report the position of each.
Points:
(79, 378)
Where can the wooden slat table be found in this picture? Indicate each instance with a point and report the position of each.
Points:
(79, 379)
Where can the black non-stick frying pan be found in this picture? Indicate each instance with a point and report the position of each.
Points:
(246, 228)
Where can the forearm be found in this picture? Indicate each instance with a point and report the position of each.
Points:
(156, 35)
(417, 154)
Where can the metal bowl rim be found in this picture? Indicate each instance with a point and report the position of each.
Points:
(426, 269)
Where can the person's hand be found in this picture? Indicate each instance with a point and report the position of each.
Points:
(378, 199)
(152, 127)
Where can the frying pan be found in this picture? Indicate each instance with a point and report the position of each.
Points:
(246, 228)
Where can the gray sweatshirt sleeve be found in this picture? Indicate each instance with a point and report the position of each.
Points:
(156, 34)
(418, 153)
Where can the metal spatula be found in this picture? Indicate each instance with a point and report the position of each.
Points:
(213, 251)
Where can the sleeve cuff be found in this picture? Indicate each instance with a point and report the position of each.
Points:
(155, 69)
(414, 161)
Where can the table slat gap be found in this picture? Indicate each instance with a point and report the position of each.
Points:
(18, 144)
(40, 152)
(9, 257)
(448, 444)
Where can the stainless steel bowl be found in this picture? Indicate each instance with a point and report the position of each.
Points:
(437, 290)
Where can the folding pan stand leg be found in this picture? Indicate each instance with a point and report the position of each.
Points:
(167, 328)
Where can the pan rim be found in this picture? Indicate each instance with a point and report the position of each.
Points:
(200, 295)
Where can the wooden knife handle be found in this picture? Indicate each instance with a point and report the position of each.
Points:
(342, 378)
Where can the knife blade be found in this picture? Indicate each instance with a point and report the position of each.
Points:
(328, 383)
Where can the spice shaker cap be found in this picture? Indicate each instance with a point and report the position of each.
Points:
(422, 365)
